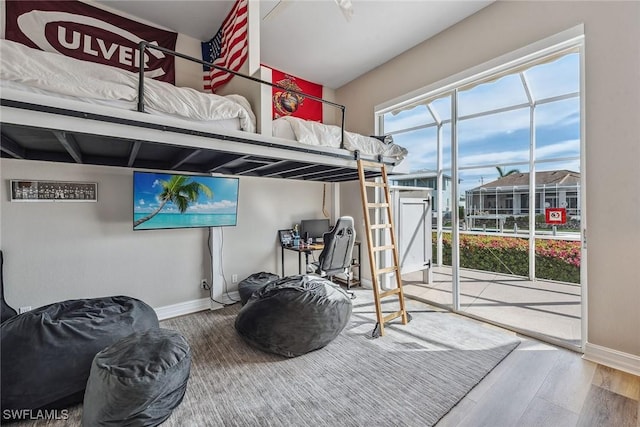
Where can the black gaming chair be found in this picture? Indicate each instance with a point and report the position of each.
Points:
(335, 257)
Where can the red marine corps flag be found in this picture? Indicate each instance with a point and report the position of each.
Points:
(287, 103)
(229, 48)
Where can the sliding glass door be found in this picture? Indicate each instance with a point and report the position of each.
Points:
(502, 155)
(425, 130)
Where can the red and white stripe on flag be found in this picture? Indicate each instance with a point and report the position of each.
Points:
(234, 47)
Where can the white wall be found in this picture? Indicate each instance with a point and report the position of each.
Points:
(62, 250)
(189, 73)
(351, 205)
(266, 206)
(612, 67)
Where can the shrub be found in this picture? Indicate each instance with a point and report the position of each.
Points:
(555, 259)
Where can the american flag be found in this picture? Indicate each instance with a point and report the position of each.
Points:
(228, 48)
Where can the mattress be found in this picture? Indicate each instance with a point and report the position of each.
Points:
(319, 134)
(53, 74)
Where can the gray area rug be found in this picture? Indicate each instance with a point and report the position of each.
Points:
(412, 376)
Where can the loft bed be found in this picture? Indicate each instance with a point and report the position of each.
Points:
(314, 133)
(50, 112)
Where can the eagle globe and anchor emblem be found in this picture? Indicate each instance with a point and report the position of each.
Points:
(287, 103)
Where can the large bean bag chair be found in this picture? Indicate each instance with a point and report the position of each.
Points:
(138, 381)
(46, 353)
(256, 281)
(294, 315)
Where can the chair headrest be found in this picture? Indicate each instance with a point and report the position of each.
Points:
(344, 221)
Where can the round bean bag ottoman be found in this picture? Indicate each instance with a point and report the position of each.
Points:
(46, 353)
(294, 315)
(256, 281)
(137, 381)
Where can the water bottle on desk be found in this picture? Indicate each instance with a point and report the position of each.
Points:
(296, 236)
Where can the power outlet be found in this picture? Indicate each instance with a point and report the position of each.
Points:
(204, 285)
(234, 278)
(24, 309)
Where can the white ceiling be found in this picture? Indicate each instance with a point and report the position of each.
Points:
(312, 39)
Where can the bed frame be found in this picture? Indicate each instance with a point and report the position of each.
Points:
(40, 127)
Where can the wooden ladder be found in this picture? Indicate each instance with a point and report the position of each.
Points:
(375, 271)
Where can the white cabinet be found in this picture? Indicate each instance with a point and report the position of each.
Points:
(412, 220)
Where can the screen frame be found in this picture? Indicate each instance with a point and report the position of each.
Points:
(169, 174)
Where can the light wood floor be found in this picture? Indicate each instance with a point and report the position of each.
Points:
(542, 385)
(539, 384)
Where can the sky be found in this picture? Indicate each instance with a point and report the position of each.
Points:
(147, 188)
(500, 139)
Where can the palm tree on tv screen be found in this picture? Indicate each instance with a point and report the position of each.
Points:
(179, 190)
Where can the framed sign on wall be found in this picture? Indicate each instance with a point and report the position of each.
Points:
(53, 191)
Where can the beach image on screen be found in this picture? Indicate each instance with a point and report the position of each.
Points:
(183, 201)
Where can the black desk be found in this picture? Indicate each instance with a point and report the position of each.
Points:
(307, 249)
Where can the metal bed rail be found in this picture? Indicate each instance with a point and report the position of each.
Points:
(146, 45)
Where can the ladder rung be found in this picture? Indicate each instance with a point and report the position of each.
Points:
(383, 248)
(374, 184)
(387, 270)
(378, 205)
(371, 164)
(389, 293)
(391, 316)
(379, 226)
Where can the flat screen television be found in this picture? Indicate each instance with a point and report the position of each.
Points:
(169, 200)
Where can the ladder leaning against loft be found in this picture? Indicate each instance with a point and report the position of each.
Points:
(378, 294)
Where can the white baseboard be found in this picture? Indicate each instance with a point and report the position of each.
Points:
(228, 298)
(182, 308)
(193, 306)
(613, 358)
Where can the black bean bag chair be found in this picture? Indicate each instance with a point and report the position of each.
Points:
(46, 353)
(138, 381)
(294, 315)
(6, 311)
(256, 281)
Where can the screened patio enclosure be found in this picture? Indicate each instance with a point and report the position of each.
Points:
(500, 149)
